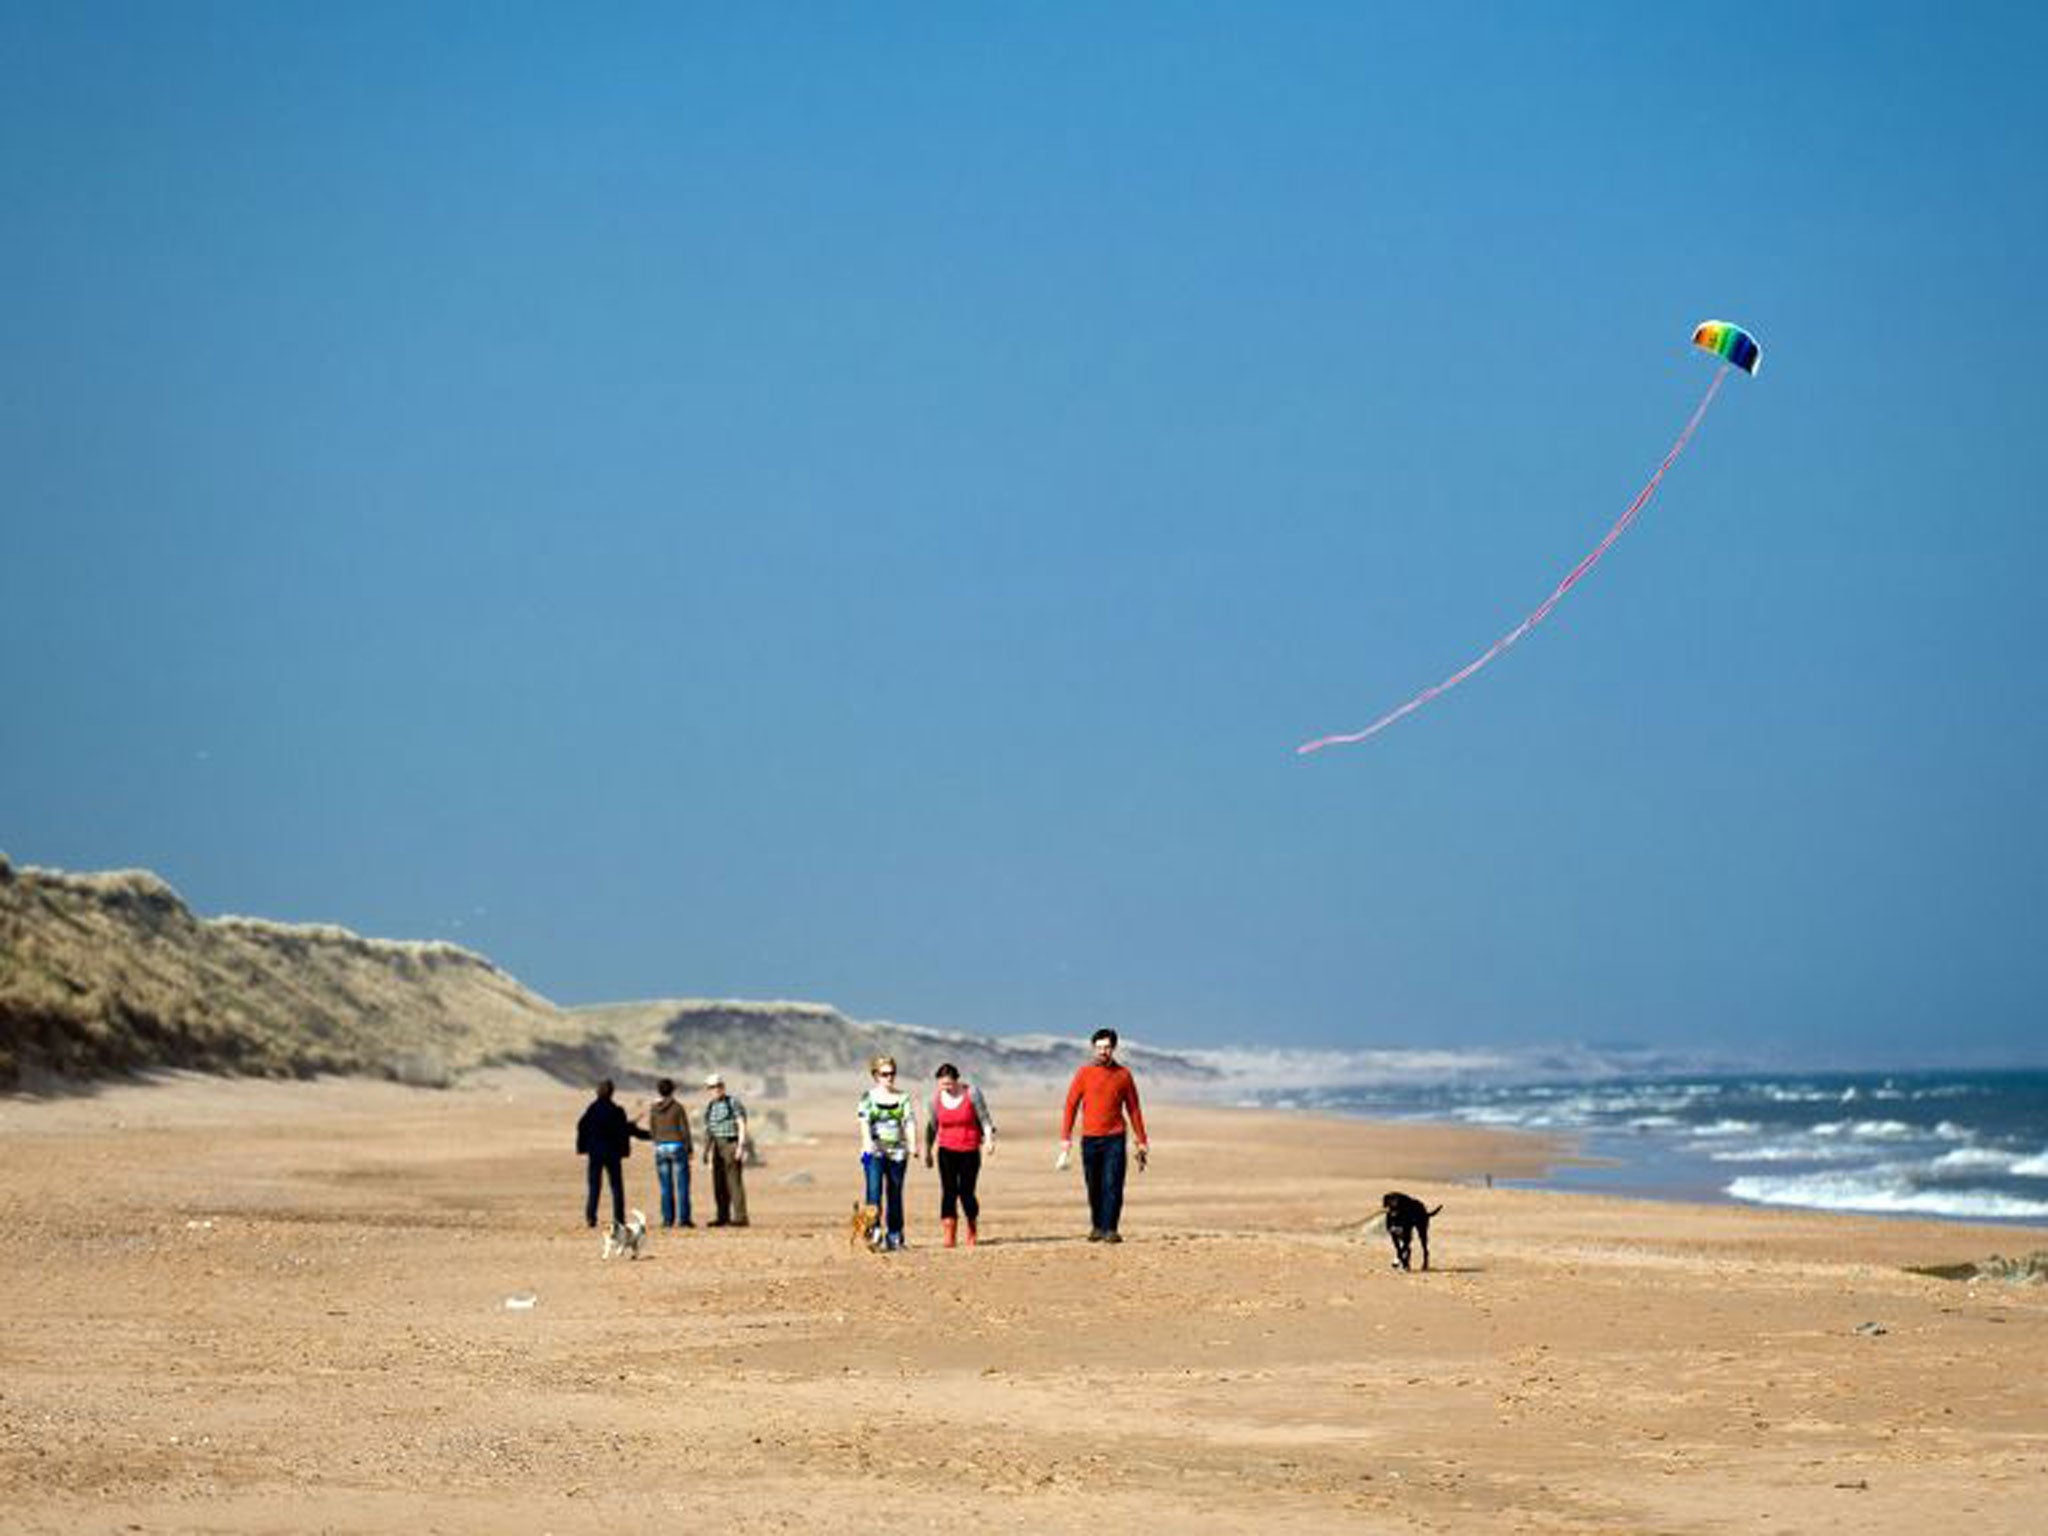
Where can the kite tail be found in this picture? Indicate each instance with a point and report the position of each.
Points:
(1542, 610)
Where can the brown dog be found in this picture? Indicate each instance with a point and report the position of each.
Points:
(1407, 1217)
(864, 1229)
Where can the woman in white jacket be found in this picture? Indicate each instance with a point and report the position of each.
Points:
(888, 1130)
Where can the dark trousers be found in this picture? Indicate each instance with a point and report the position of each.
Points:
(1102, 1164)
(600, 1169)
(728, 1182)
(958, 1172)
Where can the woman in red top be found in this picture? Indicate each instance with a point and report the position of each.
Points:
(962, 1130)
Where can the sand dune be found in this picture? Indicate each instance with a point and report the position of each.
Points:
(247, 1306)
(110, 973)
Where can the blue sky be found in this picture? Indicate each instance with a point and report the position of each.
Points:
(860, 503)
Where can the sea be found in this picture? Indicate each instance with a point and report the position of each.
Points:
(1956, 1145)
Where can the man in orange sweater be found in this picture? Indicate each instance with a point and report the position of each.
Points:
(1102, 1091)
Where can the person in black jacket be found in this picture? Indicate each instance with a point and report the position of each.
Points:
(605, 1136)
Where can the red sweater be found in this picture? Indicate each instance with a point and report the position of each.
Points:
(1102, 1094)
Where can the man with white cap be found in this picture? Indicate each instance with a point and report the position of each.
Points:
(725, 1149)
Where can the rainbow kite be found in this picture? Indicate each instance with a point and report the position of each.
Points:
(1737, 349)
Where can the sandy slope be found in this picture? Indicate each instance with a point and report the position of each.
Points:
(247, 1306)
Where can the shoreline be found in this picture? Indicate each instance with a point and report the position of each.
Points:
(1601, 1171)
(1565, 1161)
(1964, 1147)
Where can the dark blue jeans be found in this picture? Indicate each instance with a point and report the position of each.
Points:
(1102, 1164)
(885, 1178)
(600, 1168)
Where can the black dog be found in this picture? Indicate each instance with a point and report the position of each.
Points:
(1407, 1217)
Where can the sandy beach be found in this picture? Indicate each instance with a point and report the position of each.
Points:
(247, 1306)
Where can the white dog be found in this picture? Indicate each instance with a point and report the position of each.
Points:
(626, 1237)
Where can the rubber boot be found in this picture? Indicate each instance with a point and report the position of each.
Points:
(951, 1224)
(971, 1233)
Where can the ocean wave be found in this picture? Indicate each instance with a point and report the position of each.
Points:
(1721, 1128)
(1586, 1105)
(1539, 1070)
(1575, 1110)
(1639, 1102)
(1486, 1114)
(1788, 1152)
(1339, 1069)
(1867, 1130)
(1981, 1158)
(1881, 1193)
(2035, 1167)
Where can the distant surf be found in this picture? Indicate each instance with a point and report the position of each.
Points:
(1962, 1146)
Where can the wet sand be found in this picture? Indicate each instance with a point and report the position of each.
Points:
(268, 1307)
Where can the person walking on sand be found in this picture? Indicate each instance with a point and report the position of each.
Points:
(888, 1130)
(725, 1149)
(1102, 1091)
(668, 1123)
(962, 1131)
(604, 1136)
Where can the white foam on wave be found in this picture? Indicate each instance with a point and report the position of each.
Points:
(1540, 1115)
(1724, 1128)
(1780, 1095)
(1576, 1110)
(1981, 1158)
(1349, 1069)
(1577, 1066)
(1660, 1100)
(1528, 1116)
(1867, 1130)
(1788, 1152)
(1880, 1192)
(2035, 1167)
(1486, 1114)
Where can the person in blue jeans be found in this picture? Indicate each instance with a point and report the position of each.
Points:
(669, 1125)
(1103, 1095)
(888, 1130)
